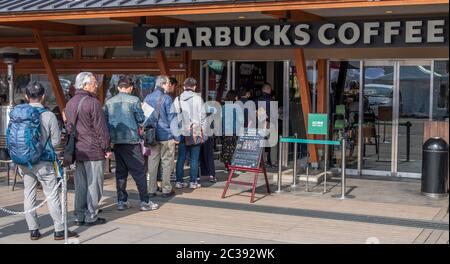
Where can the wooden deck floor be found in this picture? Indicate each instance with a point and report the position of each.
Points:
(284, 218)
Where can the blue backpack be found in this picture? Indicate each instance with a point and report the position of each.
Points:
(23, 136)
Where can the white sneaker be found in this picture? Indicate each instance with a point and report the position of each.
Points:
(181, 185)
(123, 205)
(194, 185)
(150, 206)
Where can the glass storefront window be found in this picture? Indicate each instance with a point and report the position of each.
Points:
(344, 99)
(22, 80)
(55, 53)
(440, 90)
(144, 84)
(216, 79)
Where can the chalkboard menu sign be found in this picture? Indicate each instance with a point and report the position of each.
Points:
(248, 151)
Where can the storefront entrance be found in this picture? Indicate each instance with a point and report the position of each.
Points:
(398, 97)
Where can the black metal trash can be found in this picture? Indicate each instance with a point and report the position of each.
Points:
(435, 168)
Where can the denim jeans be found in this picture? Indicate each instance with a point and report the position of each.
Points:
(194, 152)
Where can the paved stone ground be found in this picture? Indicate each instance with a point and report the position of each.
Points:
(381, 211)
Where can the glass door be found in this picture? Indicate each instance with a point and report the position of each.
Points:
(413, 109)
(376, 125)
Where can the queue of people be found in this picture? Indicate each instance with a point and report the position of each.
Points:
(117, 128)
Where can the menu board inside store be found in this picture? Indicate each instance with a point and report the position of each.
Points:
(248, 151)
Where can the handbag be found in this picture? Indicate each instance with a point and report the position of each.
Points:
(193, 138)
(150, 132)
(69, 148)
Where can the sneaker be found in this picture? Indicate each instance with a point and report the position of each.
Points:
(168, 195)
(99, 221)
(35, 234)
(194, 185)
(79, 223)
(181, 185)
(150, 206)
(123, 205)
(212, 179)
(60, 234)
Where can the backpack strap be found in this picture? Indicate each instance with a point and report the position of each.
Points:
(42, 110)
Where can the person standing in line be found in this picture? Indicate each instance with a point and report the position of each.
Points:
(125, 116)
(43, 171)
(91, 148)
(192, 119)
(266, 99)
(164, 152)
(232, 122)
(207, 167)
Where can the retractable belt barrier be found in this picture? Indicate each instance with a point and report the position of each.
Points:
(327, 143)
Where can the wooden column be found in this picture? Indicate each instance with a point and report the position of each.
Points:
(161, 59)
(305, 96)
(50, 68)
(321, 88)
(104, 88)
(188, 63)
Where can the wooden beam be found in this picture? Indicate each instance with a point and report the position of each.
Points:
(77, 52)
(293, 15)
(321, 88)
(50, 69)
(71, 41)
(208, 9)
(305, 95)
(154, 20)
(104, 88)
(188, 62)
(161, 60)
(47, 26)
(123, 66)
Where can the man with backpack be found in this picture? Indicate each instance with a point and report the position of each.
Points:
(33, 133)
(125, 116)
(91, 148)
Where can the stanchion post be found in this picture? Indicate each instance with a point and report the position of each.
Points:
(307, 171)
(294, 172)
(64, 194)
(343, 168)
(326, 170)
(280, 155)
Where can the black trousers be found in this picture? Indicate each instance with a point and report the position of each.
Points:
(207, 167)
(129, 160)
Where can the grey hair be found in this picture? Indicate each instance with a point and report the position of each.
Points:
(160, 80)
(82, 79)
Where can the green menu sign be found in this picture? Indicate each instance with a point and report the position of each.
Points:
(317, 124)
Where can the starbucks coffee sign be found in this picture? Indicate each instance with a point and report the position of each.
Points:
(340, 34)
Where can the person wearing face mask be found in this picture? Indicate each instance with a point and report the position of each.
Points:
(91, 148)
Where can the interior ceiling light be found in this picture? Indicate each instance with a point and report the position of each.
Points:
(388, 12)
